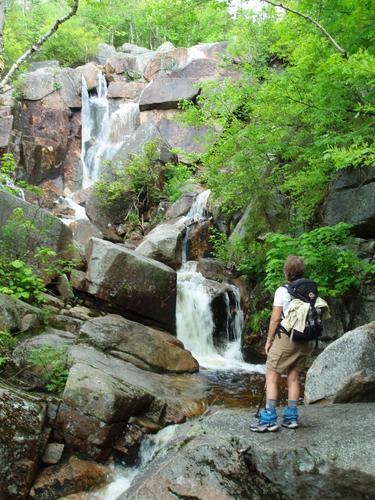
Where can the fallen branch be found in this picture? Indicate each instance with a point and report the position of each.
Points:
(36, 47)
(333, 42)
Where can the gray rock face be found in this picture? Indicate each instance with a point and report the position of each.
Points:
(128, 91)
(59, 236)
(137, 284)
(6, 124)
(22, 441)
(17, 316)
(166, 93)
(345, 370)
(102, 392)
(318, 461)
(104, 52)
(82, 231)
(164, 243)
(134, 342)
(131, 48)
(352, 201)
(134, 145)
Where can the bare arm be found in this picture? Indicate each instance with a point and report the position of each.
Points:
(276, 315)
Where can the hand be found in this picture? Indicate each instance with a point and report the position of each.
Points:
(268, 345)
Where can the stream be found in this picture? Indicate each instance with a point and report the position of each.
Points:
(228, 380)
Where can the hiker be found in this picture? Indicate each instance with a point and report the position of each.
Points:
(285, 350)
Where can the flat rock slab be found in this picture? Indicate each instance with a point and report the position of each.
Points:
(330, 456)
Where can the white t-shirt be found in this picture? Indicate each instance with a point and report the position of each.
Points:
(282, 298)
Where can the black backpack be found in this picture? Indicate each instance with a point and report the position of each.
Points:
(307, 291)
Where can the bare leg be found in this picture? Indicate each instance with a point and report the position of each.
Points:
(272, 384)
(293, 385)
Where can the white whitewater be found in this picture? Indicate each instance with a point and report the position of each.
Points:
(103, 131)
(194, 318)
(123, 476)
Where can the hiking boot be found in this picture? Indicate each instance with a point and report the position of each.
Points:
(290, 417)
(267, 422)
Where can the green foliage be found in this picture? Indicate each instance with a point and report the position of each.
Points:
(147, 23)
(7, 174)
(175, 177)
(7, 344)
(129, 190)
(19, 280)
(25, 261)
(299, 111)
(335, 269)
(53, 363)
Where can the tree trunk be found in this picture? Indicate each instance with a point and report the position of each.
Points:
(36, 47)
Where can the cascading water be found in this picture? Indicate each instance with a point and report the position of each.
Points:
(103, 131)
(194, 317)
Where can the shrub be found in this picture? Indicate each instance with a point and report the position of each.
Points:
(7, 344)
(53, 362)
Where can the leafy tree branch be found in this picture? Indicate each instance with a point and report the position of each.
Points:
(36, 46)
(333, 42)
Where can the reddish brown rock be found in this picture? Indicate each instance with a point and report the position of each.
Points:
(166, 61)
(74, 476)
(129, 91)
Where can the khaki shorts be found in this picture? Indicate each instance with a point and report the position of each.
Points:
(285, 355)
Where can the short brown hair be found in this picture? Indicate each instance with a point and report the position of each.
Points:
(294, 268)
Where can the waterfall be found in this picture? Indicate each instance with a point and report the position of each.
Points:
(103, 131)
(194, 318)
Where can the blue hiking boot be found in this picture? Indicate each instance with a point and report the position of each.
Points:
(290, 417)
(267, 422)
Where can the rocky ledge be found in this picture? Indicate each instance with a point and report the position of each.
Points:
(330, 456)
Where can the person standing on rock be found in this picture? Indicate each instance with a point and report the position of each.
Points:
(283, 355)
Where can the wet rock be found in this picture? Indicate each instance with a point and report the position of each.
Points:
(166, 93)
(72, 477)
(198, 242)
(22, 441)
(128, 91)
(164, 244)
(128, 444)
(17, 316)
(136, 284)
(353, 377)
(158, 351)
(53, 453)
(184, 203)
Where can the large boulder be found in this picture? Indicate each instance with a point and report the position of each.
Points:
(140, 345)
(164, 243)
(351, 201)
(68, 478)
(17, 316)
(22, 441)
(102, 392)
(345, 371)
(138, 285)
(53, 233)
(166, 93)
(321, 460)
(127, 91)
(166, 61)
(104, 52)
(6, 124)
